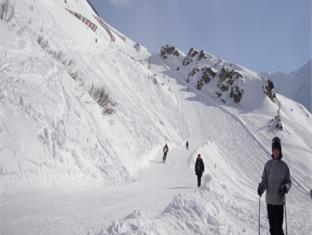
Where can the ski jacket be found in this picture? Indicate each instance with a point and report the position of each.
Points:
(199, 166)
(275, 176)
(166, 149)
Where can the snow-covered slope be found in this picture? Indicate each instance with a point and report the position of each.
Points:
(295, 85)
(51, 126)
(230, 83)
(67, 168)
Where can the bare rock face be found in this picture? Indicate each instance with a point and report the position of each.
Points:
(269, 90)
(193, 55)
(228, 82)
(168, 50)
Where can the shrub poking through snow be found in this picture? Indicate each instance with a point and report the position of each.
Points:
(60, 56)
(56, 54)
(102, 97)
(6, 10)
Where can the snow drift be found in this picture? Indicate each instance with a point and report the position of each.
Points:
(62, 68)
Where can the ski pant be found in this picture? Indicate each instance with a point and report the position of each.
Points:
(276, 216)
(199, 179)
(164, 157)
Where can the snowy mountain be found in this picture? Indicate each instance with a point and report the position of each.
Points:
(295, 85)
(85, 112)
(230, 83)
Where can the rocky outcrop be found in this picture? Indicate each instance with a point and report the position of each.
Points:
(168, 50)
(227, 81)
(207, 75)
(193, 55)
(269, 90)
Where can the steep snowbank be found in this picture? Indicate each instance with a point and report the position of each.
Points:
(53, 133)
(52, 128)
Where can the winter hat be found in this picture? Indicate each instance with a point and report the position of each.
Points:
(276, 144)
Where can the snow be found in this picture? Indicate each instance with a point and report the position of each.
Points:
(295, 85)
(66, 168)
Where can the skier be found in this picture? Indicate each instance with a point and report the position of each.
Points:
(187, 145)
(276, 181)
(199, 169)
(165, 150)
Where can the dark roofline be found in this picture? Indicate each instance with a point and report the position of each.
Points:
(93, 8)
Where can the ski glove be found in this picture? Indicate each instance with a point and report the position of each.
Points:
(284, 189)
(260, 190)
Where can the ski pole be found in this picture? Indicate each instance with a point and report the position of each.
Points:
(285, 216)
(259, 216)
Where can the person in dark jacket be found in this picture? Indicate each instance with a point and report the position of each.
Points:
(199, 169)
(187, 145)
(165, 150)
(276, 182)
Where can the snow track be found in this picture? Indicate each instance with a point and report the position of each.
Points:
(67, 169)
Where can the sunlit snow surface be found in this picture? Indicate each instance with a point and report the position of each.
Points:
(66, 168)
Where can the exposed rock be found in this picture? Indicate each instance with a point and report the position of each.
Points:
(192, 53)
(208, 74)
(211, 72)
(223, 87)
(190, 56)
(236, 94)
(168, 50)
(201, 55)
(269, 90)
(137, 46)
(227, 85)
(193, 72)
(232, 74)
(200, 84)
(218, 94)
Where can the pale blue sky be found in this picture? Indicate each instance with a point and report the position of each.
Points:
(271, 35)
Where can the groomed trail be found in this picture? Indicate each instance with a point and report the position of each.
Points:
(83, 209)
(161, 194)
(68, 169)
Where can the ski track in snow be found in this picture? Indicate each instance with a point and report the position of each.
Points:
(158, 198)
(157, 193)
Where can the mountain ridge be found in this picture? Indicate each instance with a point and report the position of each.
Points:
(69, 167)
(295, 85)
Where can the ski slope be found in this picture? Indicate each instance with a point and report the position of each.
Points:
(163, 198)
(68, 169)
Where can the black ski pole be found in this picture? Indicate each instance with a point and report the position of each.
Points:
(285, 217)
(259, 215)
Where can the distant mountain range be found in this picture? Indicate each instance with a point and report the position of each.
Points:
(295, 85)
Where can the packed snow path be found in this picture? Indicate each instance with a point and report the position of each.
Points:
(161, 198)
(78, 210)
(166, 193)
